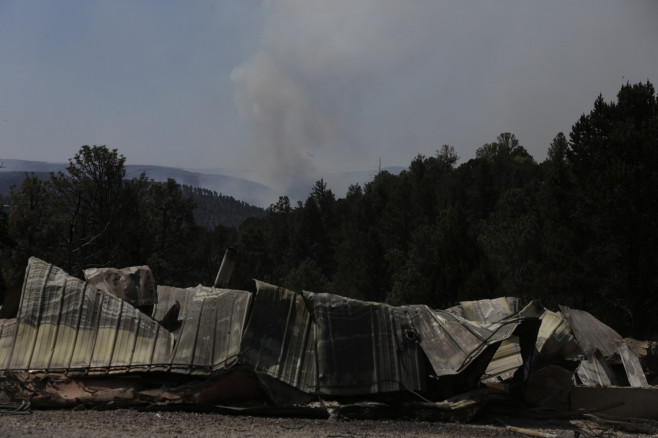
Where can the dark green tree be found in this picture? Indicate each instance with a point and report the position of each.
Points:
(510, 237)
(505, 145)
(171, 231)
(29, 229)
(613, 152)
(92, 206)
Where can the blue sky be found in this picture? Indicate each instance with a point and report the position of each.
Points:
(291, 90)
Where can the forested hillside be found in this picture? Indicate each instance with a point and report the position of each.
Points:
(214, 208)
(577, 229)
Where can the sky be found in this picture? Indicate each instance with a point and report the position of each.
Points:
(288, 91)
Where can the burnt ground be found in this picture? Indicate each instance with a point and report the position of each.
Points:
(150, 424)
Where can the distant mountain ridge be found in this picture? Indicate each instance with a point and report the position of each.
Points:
(248, 191)
(222, 181)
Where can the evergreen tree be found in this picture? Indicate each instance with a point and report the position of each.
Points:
(613, 151)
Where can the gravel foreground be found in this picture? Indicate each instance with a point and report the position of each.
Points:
(133, 423)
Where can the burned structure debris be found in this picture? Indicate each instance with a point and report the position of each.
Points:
(117, 339)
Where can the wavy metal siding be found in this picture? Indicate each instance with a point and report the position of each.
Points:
(280, 338)
(364, 347)
(490, 310)
(7, 330)
(317, 343)
(328, 344)
(63, 324)
(212, 324)
(451, 343)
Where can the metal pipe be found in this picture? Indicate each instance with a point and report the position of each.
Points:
(226, 268)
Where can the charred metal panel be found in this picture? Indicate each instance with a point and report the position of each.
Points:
(134, 284)
(490, 311)
(280, 338)
(64, 324)
(505, 361)
(555, 339)
(595, 371)
(632, 366)
(168, 296)
(364, 347)
(7, 330)
(451, 343)
(327, 344)
(210, 336)
(591, 333)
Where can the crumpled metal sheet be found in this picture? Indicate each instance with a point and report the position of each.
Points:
(505, 361)
(134, 284)
(214, 345)
(507, 358)
(452, 343)
(591, 334)
(365, 347)
(291, 345)
(595, 371)
(328, 344)
(279, 338)
(66, 325)
(555, 340)
(63, 324)
(211, 332)
(634, 372)
(7, 330)
(489, 310)
(317, 343)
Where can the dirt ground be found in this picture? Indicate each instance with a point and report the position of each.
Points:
(134, 423)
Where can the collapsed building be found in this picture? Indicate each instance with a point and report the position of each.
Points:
(117, 339)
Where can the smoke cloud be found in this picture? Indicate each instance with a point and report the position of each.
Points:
(303, 93)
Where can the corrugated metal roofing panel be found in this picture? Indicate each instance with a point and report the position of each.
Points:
(632, 366)
(108, 326)
(229, 324)
(282, 347)
(63, 325)
(591, 333)
(213, 321)
(186, 340)
(451, 343)
(317, 343)
(68, 327)
(506, 360)
(554, 338)
(134, 284)
(490, 311)
(167, 297)
(595, 371)
(364, 347)
(125, 340)
(7, 330)
(346, 347)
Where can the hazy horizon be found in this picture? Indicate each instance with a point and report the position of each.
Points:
(239, 185)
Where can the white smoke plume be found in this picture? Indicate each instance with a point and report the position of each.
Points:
(302, 92)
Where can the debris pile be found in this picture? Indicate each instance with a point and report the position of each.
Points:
(117, 340)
